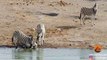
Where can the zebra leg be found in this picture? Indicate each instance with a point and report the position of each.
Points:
(93, 18)
(80, 21)
(38, 40)
(16, 46)
(42, 42)
(42, 38)
(14, 42)
(92, 23)
(83, 20)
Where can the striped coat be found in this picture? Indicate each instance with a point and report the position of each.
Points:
(40, 34)
(19, 39)
(87, 12)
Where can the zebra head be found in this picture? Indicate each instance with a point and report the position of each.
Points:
(34, 45)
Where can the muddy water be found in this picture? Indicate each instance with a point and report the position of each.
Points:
(50, 54)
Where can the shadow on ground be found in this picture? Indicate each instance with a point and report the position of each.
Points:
(93, 0)
(105, 10)
(67, 27)
(9, 46)
(86, 18)
(90, 18)
(76, 17)
(48, 14)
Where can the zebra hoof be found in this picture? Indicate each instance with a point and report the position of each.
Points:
(84, 23)
(80, 24)
(94, 24)
(16, 47)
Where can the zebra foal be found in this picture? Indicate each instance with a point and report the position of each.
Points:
(87, 12)
(40, 34)
(19, 39)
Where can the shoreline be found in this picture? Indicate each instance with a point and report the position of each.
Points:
(55, 46)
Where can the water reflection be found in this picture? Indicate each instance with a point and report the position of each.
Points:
(21, 54)
(84, 54)
(40, 54)
(50, 54)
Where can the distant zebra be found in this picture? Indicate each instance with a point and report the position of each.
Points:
(19, 39)
(40, 34)
(87, 12)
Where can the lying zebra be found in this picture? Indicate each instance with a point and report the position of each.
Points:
(19, 39)
(86, 12)
(40, 34)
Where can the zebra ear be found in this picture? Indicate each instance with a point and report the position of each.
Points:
(95, 5)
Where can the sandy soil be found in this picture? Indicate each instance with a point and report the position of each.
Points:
(63, 27)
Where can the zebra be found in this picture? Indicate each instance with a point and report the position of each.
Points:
(19, 39)
(40, 34)
(89, 12)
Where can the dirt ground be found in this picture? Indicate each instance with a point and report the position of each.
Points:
(63, 27)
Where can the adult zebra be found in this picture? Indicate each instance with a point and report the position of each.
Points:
(20, 39)
(40, 34)
(87, 12)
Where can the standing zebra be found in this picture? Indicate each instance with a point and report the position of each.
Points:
(19, 39)
(87, 12)
(40, 34)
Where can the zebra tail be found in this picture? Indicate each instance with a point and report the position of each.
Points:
(12, 39)
(80, 16)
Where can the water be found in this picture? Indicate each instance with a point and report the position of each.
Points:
(50, 54)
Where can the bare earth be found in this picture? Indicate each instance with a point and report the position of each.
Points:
(63, 27)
